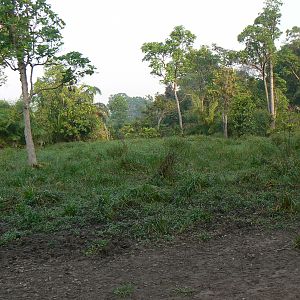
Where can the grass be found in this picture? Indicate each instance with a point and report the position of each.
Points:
(149, 189)
(184, 291)
(123, 291)
(297, 242)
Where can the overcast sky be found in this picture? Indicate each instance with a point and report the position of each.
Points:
(111, 33)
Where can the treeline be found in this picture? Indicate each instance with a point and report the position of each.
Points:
(58, 113)
(210, 90)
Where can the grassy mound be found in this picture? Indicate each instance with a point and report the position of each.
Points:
(149, 189)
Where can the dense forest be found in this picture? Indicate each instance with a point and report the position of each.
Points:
(210, 90)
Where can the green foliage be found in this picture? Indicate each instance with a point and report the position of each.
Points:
(30, 32)
(184, 291)
(9, 237)
(125, 112)
(297, 242)
(130, 131)
(98, 247)
(118, 107)
(288, 65)
(75, 67)
(242, 114)
(166, 58)
(261, 119)
(31, 35)
(64, 114)
(11, 124)
(150, 189)
(125, 290)
(158, 111)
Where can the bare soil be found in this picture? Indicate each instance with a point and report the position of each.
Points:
(241, 264)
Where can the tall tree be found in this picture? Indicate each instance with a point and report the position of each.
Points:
(159, 109)
(11, 125)
(260, 49)
(224, 88)
(167, 60)
(30, 37)
(288, 64)
(64, 113)
(118, 107)
(200, 67)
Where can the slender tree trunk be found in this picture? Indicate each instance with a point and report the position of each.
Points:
(266, 89)
(202, 104)
(32, 161)
(267, 93)
(225, 124)
(178, 108)
(272, 97)
(160, 118)
(106, 131)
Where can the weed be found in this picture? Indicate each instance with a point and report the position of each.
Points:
(9, 236)
(287, 204)
(297, 242)
(125, 290)
(117, 150)
(70, 209)
(175, 148)
(98, 247)
(184, 291)
(204, 236)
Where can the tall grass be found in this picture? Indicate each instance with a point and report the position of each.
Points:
(147, 189)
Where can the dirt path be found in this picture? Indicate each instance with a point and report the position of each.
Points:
(253, 265)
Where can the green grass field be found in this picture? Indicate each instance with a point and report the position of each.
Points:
(150, 189)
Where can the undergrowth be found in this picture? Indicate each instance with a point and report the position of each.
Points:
(149, 189)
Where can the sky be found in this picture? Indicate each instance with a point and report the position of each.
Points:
(111, 32)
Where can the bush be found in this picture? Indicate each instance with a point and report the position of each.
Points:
(11, 124)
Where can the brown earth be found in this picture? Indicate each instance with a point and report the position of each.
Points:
(252, 264)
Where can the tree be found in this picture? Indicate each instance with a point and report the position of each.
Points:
(260, 49)
(11, 125)
(200, 67)
(118, 107)
(64, 113)
(242, 110)
(159, 109)
(167, 60)
(224, 89)
(288, 64)
(30, 37)
(103, 114)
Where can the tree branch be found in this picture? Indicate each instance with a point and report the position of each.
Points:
(48, 89)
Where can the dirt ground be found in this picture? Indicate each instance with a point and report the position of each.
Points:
(254, 264)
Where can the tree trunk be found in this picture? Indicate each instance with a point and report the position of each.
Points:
(160, 118)
(178, 108)
(272, 97)
(266, 91)
(225, 124)
(202, 104)
(106, 131)
(32, 161)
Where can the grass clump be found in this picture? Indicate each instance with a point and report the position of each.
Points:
(98, 247)
(125, 290)
(297, 242)
(184, 291)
